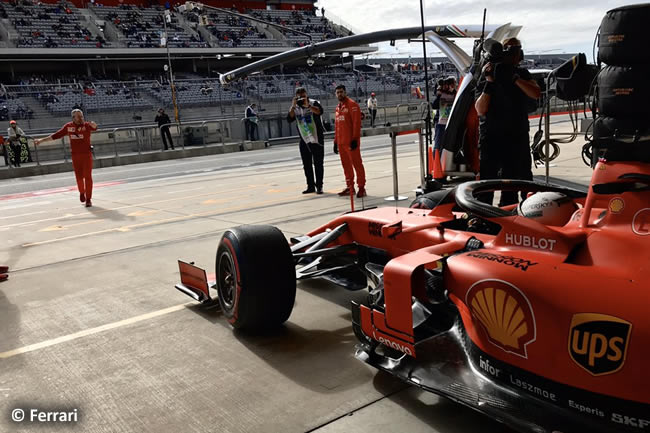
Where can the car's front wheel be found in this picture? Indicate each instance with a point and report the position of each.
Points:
(256, 280)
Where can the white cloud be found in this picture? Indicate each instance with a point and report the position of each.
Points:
(559, 25)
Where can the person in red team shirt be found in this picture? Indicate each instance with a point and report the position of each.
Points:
(82, 158)
(347, 138)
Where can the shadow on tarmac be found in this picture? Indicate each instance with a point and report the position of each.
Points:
(9, 323)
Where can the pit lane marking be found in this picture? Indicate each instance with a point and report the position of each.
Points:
(69, 215)
(92, 331)
(161, 221)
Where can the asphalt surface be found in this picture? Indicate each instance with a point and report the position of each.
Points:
(91, 322)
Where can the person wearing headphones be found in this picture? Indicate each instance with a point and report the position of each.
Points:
(78, 131)
(504, 95)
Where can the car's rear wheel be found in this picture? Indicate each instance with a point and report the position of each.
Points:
(256, 280)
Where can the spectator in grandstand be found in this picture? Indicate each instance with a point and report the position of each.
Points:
(372, 108)
(14, 133)
(163, 123)
(307, 114)
(444, 101)
(250, 122)
(78, 131)
(347, 140)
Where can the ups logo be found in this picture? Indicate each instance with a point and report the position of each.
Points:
(598, 343)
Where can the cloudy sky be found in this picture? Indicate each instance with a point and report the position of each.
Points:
(549, 26)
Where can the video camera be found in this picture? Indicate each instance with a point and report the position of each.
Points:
(493, 52)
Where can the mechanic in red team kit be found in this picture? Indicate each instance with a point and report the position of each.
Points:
(347, 140)
(82, 158)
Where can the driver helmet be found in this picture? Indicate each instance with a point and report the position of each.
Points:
(550, 208)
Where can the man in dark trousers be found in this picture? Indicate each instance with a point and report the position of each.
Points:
(163, 123)
(505, 93)
(250, 122)
(347, 141)
(307, 114)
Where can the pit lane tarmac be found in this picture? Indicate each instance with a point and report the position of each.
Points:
(90, 320)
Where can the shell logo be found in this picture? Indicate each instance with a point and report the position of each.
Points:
(616, 205)
(504, 313)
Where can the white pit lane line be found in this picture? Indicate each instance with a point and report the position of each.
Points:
(92, 331)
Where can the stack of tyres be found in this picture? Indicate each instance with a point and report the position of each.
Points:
(622, 125)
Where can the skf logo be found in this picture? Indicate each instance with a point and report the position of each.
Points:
(598, 343)
(504, 313)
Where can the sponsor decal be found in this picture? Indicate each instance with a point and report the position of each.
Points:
(504, 313)
(530, 241)
(598, 342)
(577, 216)
(641, 222)
(515, 262)
(630, 421)
(392, 344)
(586, 409)
(374, 229)
(612, 411)
(532, 388)
(616, 205)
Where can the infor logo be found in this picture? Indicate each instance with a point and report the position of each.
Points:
(598, 342)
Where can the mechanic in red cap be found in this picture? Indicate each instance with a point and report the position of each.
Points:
(82, 158)
(347, 139)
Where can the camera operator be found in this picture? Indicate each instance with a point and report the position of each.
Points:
(505, 93)
(307, 114)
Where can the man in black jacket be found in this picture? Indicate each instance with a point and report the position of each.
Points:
(307, 114)
(163, 123)
(505, 93)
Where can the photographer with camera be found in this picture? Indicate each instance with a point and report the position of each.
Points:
(505, 92)
(307, 114)
(445, 96)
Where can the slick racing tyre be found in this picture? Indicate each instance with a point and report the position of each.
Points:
(624, 92)
(623, 36)
(256, 279)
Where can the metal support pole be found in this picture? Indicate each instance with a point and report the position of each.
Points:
(423, 171)
(547, 130)
(115, 141)
(395, 196)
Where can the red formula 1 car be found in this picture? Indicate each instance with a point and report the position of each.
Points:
(539, 323)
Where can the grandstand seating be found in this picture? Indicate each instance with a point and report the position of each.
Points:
(51, 26)
(142, 27)
(62, 25)
(307, 22)
(194, 93)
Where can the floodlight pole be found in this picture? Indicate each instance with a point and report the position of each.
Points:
(427, 120)
(169, 65)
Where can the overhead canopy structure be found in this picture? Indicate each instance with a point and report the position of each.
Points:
(439, 35)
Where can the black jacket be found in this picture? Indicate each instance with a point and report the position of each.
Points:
(162, 119)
